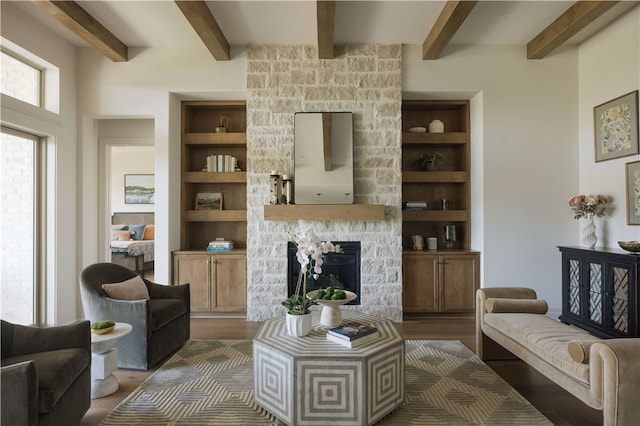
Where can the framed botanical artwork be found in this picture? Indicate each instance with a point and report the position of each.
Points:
(633, 193)
(616, 127)
(139, 189)
(209, 201)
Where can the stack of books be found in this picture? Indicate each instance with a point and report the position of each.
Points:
(220, 245)
(222, 163)
(352, 334)
(415, 205)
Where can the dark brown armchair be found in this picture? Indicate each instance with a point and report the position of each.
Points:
(46, 374)
(160, 324)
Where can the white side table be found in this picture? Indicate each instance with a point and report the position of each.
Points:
(104, 360)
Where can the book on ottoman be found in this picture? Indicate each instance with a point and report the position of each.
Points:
(352, 331)
(352, 343)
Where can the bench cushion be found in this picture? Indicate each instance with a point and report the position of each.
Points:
(544, 337)
(56, 371)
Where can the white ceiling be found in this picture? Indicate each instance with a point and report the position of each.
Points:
(160, 23)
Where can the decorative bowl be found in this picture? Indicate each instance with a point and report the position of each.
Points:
(331, 315)
(418, 130)
(350, 296)
(103, 330)
(632, 246)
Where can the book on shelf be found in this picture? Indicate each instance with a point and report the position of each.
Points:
(415, 205)
(220, 245)
(222, 163)
(352, 343)
(351, 331)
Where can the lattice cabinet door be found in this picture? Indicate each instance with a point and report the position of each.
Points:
(594, 293)
(620, 291)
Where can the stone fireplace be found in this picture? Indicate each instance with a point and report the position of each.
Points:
(340, 270)
(364, 80)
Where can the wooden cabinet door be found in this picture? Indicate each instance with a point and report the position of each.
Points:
(195, 270)
(420, 283)
(459, 278)
(230, 283)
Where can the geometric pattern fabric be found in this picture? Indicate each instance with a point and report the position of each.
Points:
(311, 381)
(210, 382)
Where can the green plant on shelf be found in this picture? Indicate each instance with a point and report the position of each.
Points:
(431, 160)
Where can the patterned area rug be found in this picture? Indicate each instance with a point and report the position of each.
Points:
(210, 382)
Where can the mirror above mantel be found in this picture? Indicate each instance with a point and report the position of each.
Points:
(323, 172)
(323, 166)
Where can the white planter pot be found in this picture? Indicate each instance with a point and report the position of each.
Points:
(298, 325)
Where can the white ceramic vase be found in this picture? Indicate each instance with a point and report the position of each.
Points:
(588, 232)
(436, 126)
(298, 325)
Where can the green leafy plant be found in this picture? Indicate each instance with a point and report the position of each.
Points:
(431, 160)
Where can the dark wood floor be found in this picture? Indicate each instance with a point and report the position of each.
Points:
(554, 402)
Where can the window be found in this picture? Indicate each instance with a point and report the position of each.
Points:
(20, 79)
(19, 241)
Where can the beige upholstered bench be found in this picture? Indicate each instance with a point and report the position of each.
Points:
(608, 376)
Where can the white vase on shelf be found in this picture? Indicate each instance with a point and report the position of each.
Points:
(588, 232)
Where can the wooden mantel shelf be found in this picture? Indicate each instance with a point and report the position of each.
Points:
(324, 212)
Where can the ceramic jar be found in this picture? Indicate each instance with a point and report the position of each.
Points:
(436, 126)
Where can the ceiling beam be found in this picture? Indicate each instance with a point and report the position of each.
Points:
(205, 25)
(85, 26)
(578, 16)
(326, 13)
(451, 18)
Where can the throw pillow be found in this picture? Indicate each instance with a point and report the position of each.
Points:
(149, 232)
(131, 289)
(120, 235)
(119, 227)
(579, 350)
(525, 306)
(138, 231)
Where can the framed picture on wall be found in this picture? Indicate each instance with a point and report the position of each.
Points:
(139, 189)
(209, 201)
(633, 193)
(616, 127)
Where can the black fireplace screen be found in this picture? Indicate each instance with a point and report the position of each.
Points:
(340, 270)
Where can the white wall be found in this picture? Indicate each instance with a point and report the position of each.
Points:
(150, 85)
(526, 167)
(59, 129)
(609, 67)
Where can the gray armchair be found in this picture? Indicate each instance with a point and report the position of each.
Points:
(161, 324)
(46, 374)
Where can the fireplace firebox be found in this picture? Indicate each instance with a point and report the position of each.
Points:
(340, 270)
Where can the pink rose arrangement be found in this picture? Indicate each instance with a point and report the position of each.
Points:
(587, 206)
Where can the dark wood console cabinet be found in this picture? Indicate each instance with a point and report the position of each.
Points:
(600, 290)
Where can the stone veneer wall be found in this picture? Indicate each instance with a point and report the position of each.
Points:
(363, 79)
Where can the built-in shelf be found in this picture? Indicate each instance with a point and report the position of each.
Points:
(214, 177)
(236, 138)
(435, 177)
(455, 138)
(324, 212)
(215, 215)
(435, 215)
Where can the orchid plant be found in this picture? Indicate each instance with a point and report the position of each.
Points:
(310, 256)
(587, 206)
